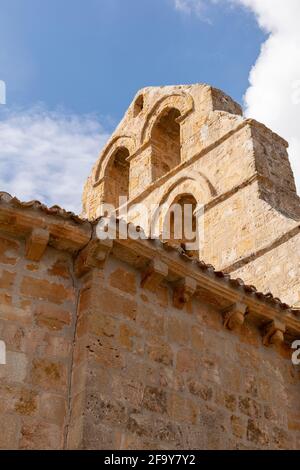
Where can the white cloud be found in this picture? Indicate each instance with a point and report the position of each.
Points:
(274, 93)
(190, 6)
(48, 155)
(273, 96)
(198, 7)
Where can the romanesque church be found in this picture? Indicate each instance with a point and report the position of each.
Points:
(139, 343)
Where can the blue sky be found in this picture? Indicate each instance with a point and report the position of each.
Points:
(72, 67)
(93, 55)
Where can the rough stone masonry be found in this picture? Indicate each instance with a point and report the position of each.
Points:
(134, 344)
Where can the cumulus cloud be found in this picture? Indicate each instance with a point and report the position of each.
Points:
(48, 155)
(274, 93)
(273, 96)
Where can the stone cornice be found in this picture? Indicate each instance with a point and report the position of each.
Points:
(157, 261)
(40, 226)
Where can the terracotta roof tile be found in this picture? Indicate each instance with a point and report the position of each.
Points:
(37, 205)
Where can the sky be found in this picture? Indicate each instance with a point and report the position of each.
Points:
(72, 67)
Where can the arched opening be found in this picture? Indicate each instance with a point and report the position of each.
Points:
(180, 228)
(138, 105)
(117, 177)
(165, 140)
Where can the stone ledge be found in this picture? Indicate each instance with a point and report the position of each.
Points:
(68, 235)
(65, 231)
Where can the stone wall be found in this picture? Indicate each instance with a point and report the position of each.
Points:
(37, 320)
(100, 358)
(150, 376)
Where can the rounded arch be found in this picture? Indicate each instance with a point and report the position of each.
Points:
(180, 224)
(107, 156)
(116, 182)
(197, 186)
(181, 101)
(165, 142)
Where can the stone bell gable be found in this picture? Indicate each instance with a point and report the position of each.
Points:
(163, 129)
(192, 141)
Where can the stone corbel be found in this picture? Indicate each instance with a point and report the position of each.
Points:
(274, 333)
(92, 256)
(36, 244)
(154, 274)
(183, 292)
(234, 316)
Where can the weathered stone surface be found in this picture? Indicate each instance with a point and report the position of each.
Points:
(53, 408)
(123, 280)
(48, 374)
(27, 403)
(160, 351)
(38, 435)
(51, 317)
(44, 290)
(9, 432)
(155, 400)
(8, 251)
(15, 369)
